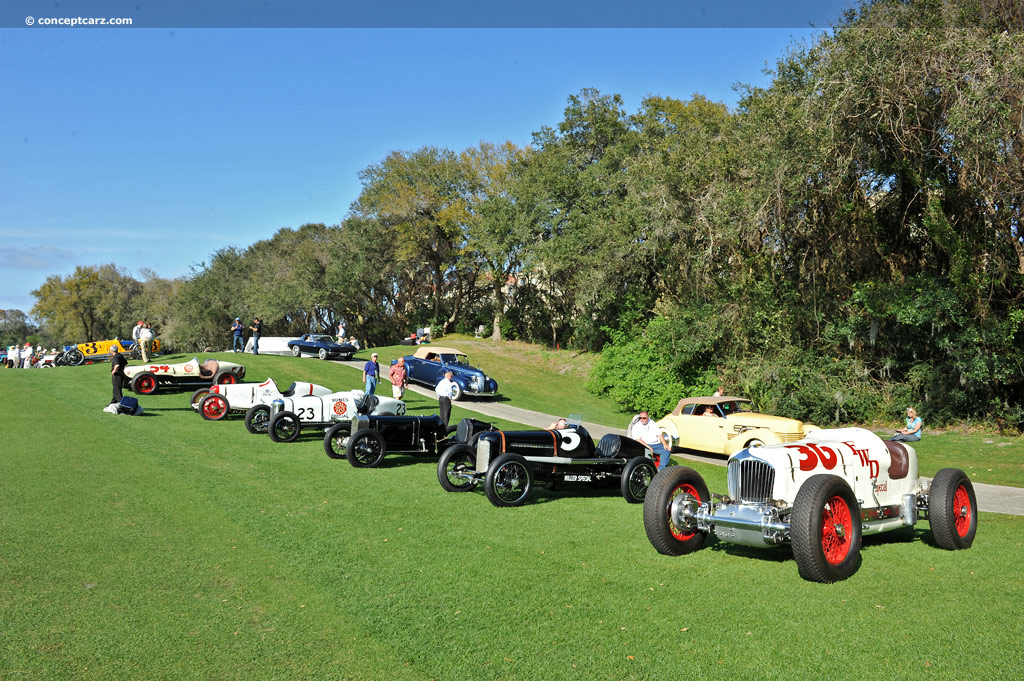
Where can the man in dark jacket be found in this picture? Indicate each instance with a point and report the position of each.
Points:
(117, 365)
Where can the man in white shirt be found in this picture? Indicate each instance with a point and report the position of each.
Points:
(444, 391)
(646, 431)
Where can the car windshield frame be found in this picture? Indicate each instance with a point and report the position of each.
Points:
(321, 338)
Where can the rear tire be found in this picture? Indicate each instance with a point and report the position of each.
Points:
(75, 357)
(284, 426)
(197, 397)
(636, 479)
(665, 536)
(322, 353)
(296, 351)
(225, 378)
(144, 383)
(456, 459)
(257, 419)
(825, 529)
(952, 510)
(509, 481)
(214, 407)
(336, 439)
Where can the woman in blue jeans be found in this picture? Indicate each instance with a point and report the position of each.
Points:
(912, 432)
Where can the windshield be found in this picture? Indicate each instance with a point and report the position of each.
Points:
(455, 359)
(323, 339)
(736, 407)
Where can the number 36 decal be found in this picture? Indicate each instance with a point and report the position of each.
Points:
(813, 454)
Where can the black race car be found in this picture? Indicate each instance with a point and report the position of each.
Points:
(510, 463)
(367, 439)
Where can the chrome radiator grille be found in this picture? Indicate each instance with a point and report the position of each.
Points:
(751, 480)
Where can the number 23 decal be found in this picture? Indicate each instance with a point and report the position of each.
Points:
(305, 413)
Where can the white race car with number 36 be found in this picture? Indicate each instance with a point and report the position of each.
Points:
(819, 494)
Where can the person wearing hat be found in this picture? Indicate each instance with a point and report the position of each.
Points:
(444, 390)
(371, 372)
(237, 328)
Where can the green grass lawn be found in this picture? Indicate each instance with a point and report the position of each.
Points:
(168, 547)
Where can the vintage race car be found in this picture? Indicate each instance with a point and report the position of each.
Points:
(146, 378)
(820, 495)
(218, 401)
(368, 439)
(99, 351)
(285, 417)
(429, 363)
(733, 427)
(509, 463)
(324, 347)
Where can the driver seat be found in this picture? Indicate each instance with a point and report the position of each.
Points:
(367, 404)
(208, 369)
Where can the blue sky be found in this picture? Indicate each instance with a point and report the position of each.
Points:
(155, 147)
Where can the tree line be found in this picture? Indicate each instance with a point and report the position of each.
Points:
(845, 242)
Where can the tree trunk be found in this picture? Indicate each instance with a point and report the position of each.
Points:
(499, 309)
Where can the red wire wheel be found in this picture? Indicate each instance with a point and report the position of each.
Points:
(825, 529)
(952, 510)
(213, 407)
(144, 384)
(667, 486)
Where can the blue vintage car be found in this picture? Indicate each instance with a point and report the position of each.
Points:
(322, 346)
(428, 364)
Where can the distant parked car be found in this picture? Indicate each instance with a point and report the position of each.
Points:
(324, 347)
(429, 363)
(146, 378)
(733, 426)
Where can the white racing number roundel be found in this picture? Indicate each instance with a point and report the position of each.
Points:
(570, 440)
(340, 407)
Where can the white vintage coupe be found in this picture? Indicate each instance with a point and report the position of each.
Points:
(146, 378)
(819, 494)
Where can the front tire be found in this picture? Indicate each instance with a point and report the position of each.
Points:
(144, 383)
(456, 392)
(365, 449)
(336, 439)
(75, 357)
(952, 510)
(825, 529)
(636, 478)
(284, 426)
(322, 353)
(257, 419)
(509, 481)
(455, 460)
(665, 536)
(197, 397)
(214, 407)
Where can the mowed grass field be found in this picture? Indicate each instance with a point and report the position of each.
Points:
(168, 547)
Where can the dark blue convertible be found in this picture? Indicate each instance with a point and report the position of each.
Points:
(322, 346)
(428, 364)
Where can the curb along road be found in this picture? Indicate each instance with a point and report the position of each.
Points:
(993, 498)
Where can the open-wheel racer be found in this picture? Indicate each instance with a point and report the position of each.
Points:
(820, 495)
(368, 439)
(147, 378)
(286, 417)
(218, 401)
(509, 463)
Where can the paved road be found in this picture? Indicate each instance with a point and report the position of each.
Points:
(993, 498)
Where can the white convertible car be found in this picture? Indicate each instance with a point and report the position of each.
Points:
(218, 401)
(146, 378)
(819, 495)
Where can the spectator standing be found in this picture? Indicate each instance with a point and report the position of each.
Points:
(256, 328)
(341, 332)
(117, 365)
(912, 431)
(646, 431)
(444, 390)
(399, 379)
(371, 372)
(237, 329)
(26, 356)
(146, 341)
(137, 333)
